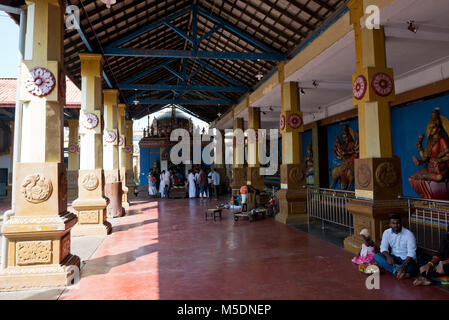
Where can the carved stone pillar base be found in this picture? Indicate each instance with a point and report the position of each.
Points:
(113, 191)
(125, 202)
(72, 185)
(130, 184)
(372, 215)
(292, 196)
(90, 207)
(377, 186)
(91, 218)
(38, 251)
(254, 178)
(292, 206)
(238, 177)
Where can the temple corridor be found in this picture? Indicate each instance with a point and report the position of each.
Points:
(164, 249)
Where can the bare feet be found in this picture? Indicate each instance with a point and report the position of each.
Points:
(421, 281)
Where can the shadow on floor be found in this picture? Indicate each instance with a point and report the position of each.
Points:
(328, 232)
(126, 227)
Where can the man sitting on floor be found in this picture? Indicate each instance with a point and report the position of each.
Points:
(433, 267)
(401, 260)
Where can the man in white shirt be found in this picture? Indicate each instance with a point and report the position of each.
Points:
(215, 182)
(197, 178)
(401, 260)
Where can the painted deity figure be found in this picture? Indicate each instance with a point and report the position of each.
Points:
(309, 165)
(433, 181)
(346, 151)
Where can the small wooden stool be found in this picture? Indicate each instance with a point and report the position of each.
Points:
(212, 213)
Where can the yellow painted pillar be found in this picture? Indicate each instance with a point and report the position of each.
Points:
(38, 233)
(122, 154)
(111, 159)
(90, 206)
(377, 172)
(129, 149)
(73, 163)
(292, 196)
(238, 170)
(253, 172)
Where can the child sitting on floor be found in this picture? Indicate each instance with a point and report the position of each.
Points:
(368, 250)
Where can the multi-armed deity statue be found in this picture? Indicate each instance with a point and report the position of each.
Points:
(347, 152)
(433, 181)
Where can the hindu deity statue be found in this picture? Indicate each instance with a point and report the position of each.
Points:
(308, 160)
(346, 151)
(433, 181)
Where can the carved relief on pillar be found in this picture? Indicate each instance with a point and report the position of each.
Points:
(88, 217)
(90, 181)
(378, 178)
(111, 176)
(65, 246)
(33, 252)
(36, 188)
(293, 175)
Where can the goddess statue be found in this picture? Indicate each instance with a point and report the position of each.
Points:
(433, 181)
(347, 152)
(308, 160)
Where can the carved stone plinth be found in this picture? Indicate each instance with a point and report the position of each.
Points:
(292, 196)
(238, 177)
(38, 251)
(123, 179)
(130, 184)
(254, 178)
(292, 206)
(377, 187)
(372, 215)
(72, 185)
(90, 207)
(113, 192)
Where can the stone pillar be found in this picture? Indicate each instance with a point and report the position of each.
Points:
(74, 162)
(129, 150)
(111, 162)
(377, 172)
(122, 154)
(254, 178)
(238, 170)
(292, 196)
(38, 233)
(11, 162)
(90, 206)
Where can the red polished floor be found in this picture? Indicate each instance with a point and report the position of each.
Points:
(165, 250)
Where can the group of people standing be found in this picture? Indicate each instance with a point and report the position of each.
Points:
(198, 183)
(160, 185)
(202, 185)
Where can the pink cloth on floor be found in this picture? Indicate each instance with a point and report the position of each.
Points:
(366, 255)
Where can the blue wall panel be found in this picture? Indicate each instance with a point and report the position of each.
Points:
(147, 156)
(407, 124)
(306, 139)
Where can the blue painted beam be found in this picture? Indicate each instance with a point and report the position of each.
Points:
(190, 76)
(180, 87)
(235, 30)
(148, 71)
(184, 102)
(153, 53)
(211, 32)
(174, 72)
(178, 31)
(218, 73)
(195, 27)
(148, 28)
(85, 41)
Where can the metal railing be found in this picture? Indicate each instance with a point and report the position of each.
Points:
(329, 205)
(428, 220)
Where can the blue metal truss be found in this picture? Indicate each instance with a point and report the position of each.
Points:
(184, 101)
(268, 53)
(166, 87)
